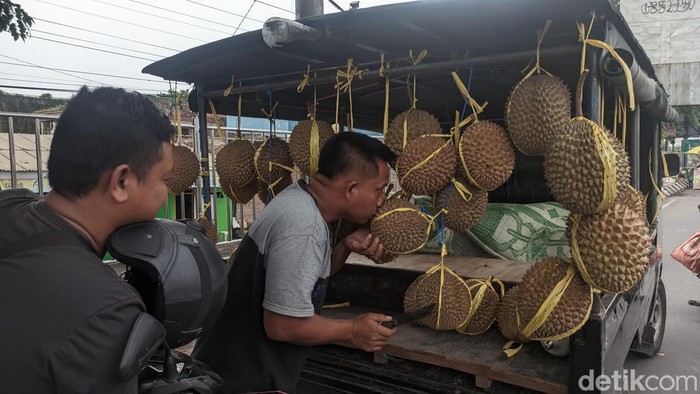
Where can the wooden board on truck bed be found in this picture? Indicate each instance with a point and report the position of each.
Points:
(479, 355)
(508, 271)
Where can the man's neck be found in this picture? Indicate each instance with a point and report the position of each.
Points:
(324, 200)
(84, 215)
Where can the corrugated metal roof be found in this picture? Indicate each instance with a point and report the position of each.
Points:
(25, 152)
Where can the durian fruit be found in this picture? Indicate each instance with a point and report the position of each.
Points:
(561, 319)
(301, 143)
(209, 228)
(266, 194)
(273, 150)
(486, 154)
(420, 177)
(633, 198)
(452, 300)
(185, 169)
(401, 227)
(241, 194)
(342, 228)
(461, 214)
(611, 249)
(234, 163)
(622, 162)
(581, 166)
(484, 306)
(537, 109)
(417, 123)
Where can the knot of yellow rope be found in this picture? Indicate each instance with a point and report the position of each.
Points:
(476, 108)
(304, 81)
(204, 210)
(178, 117)
(216, 120)
(343, 83)
(229, 88)
(270, 115)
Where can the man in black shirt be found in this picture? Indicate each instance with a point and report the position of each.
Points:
(65, 315)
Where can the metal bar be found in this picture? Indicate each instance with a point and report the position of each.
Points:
(183, 211)
(203, 146)
(29, 115)
(229, 220)
(370, 74)
(212, 216)
(39, 161)
(13, 163)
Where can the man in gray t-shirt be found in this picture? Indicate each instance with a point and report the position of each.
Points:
(277, 279)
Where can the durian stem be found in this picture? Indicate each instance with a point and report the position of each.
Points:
(579, 93)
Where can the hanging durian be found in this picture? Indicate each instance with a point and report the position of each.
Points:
(447, 291)
(484, 306)
(487, 157)
(234, 163)
(465, 206)
(185, 169)
(407, 126)
(303, 142)
(426, 165)
(401, 227)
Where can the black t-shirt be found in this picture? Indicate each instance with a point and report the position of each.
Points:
(65, 315)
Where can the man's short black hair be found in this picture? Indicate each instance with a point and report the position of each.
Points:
(100, 130)
(350, 151)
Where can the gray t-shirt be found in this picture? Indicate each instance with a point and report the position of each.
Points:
(295, 241)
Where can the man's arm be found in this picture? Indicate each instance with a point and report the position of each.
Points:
(364, 332)
(88, 360)
(360, 241)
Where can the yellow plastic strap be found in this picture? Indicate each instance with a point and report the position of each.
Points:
(204, 210)
(540, 39)
(476, 108)
(178, 117)
(240, 104)
(653, 180)
(228, 90)
(421, 214)
(455, 130)
(462, 190)
(216, 120)
(443, 269)
(576, 254)
(385, 128)
(270, 115)
(304, 81)
(601, 116)
(607, 156)
(476, 302)
(665, 165)
(549, 303)
(427, 159)
(511, 351)
(466, 170)
(345, 85)
(583, 36)
(314, 148)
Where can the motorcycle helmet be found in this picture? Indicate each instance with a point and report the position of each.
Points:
(177, 271)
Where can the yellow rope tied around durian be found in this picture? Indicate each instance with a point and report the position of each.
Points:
(178, 118)
(431, 156)
(484, 285)
(584, 38)
(442, 268)
(314, 148)
(428, 219)
(204, 210)
(601, 115)
(540, 39)
(216, 120)
(240, 105)
(476, 108)
(455, 131)
(462, 190)
(663, 162)
(656, 187)
(414, 100)
(607, 156)
(543, 313)
(576, 254)
(342, 86)
(270, 164)
(465, 168)
(304, 81)
(385, 127)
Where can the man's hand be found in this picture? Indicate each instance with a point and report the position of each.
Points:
(368, 334)
(363, 242)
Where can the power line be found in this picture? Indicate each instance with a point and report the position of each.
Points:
(38, 88)
(79, 86)
(93, 49)
(181, 13)
(245, 16)
(105, 34)
(94, 42)
(54, 70)
(36, 76)
(120, 21)
(160, 16)
(35, 81)
(275, 6)
(219, 9)
(84, 72)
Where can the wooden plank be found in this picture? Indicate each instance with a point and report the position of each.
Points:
(509, 271)
(480, 355)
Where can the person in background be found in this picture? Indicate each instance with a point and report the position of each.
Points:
(66, 316)
(277, 279)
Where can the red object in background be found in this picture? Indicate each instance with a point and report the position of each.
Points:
(688, 253)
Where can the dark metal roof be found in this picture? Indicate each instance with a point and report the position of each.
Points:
(487, 42)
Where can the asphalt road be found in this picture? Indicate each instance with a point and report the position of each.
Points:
(680, 352)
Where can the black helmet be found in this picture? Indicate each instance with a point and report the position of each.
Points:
(178, 272)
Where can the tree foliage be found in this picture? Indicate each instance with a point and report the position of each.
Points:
(14, 18)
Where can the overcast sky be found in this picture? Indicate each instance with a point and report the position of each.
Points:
(129, 34)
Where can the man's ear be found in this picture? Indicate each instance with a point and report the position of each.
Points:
(119, 182)
(350, 188)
